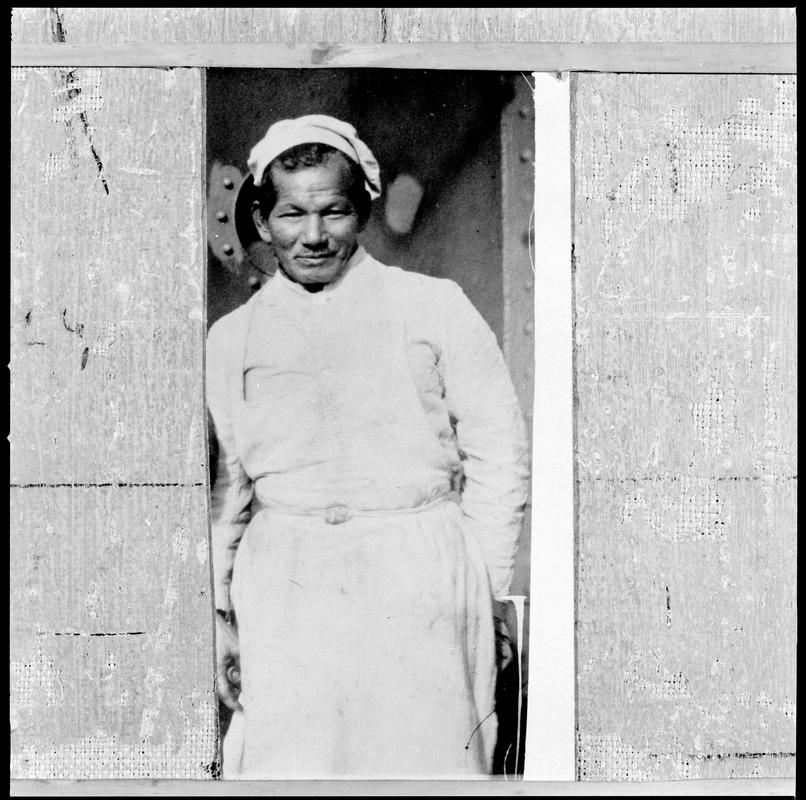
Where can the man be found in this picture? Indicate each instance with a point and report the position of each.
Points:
(369, 494)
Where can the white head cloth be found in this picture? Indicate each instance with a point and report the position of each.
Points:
(288, 133)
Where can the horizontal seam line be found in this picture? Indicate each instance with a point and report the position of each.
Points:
(87, 633)
(689, 477)
(96, 485)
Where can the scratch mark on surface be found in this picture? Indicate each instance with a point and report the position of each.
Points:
(383, 24)
(668, 608)
(85, 357)
(79, 328)
(85, 125)
(140, 171)
(467, 746)
(57, 32)
(98, 162)
(506, 757)
(28, 317)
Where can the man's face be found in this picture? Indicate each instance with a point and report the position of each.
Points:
(313, 226)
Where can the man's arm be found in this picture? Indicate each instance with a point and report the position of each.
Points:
(230, 499)
(490, 433)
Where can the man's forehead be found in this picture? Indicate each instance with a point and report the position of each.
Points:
(330, 178)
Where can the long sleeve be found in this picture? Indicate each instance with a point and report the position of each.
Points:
(490, 434)
(232, 491)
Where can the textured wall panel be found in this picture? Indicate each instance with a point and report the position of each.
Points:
(111, 651)
(685, 248)
(111, 645)
(107, 295)
(199, 24)
(406, 24)
(590, 24)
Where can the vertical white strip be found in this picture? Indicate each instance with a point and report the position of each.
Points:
(550, 724)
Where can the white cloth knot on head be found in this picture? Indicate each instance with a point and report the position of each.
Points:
(288, 133)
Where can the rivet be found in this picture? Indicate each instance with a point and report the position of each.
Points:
(227, 248)
(221, 216)
(228, 184)
(525, 111)
(529, 285)
(527, 155)
(528, 327)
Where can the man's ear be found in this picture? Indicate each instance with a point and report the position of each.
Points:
(261, 225)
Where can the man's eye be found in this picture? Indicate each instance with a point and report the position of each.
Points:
(335, 212)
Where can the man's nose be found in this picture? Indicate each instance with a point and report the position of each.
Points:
(314, 231)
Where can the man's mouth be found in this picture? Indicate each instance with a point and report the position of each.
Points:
(315, 258)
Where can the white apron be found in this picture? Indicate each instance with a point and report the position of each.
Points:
(362, 601)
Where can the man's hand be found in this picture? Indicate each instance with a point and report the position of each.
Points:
(503, 641)
(228, 663)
